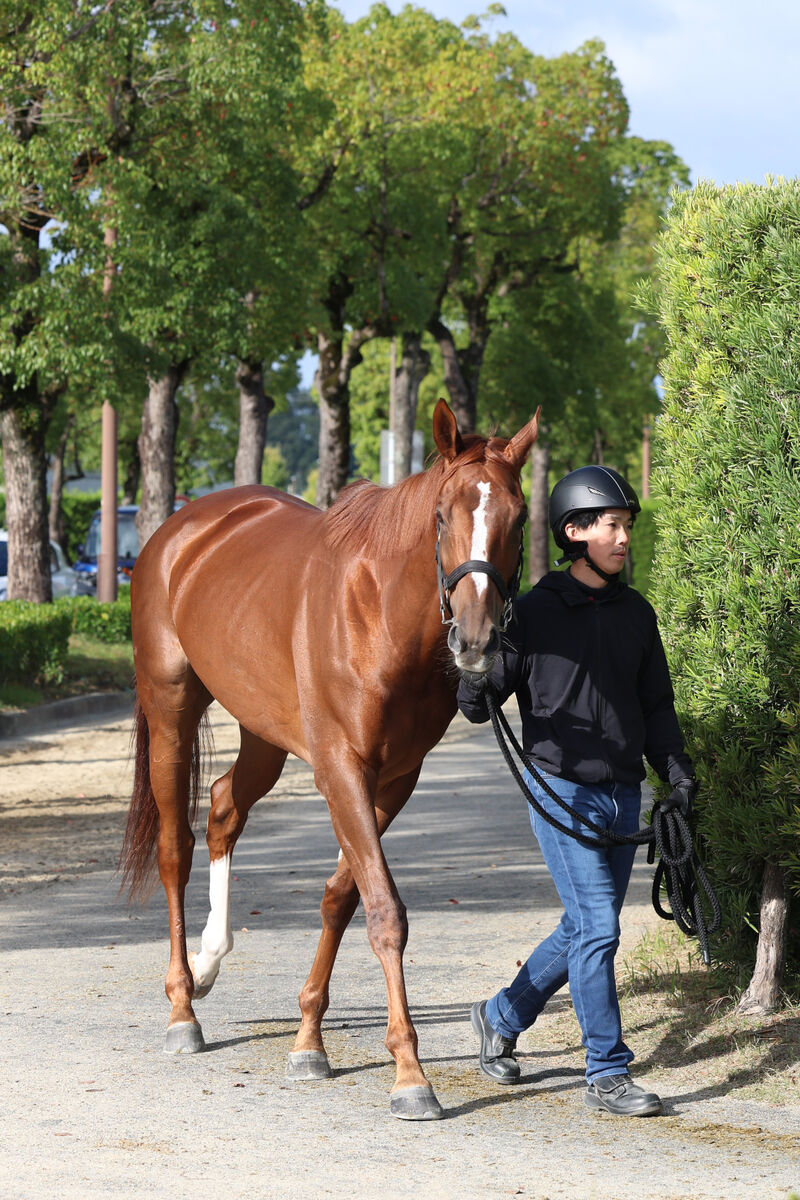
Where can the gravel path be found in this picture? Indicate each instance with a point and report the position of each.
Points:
(91, 1107)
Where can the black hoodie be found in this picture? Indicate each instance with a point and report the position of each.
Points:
(591, 679)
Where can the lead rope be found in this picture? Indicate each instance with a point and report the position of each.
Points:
(678, 868)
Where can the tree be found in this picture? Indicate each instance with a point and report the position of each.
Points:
(727, 570)
(537, 176)
(52, 60)
(204, 208)
(379, 223)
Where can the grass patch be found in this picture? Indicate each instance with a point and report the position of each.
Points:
(682, 1022)
(91, 666)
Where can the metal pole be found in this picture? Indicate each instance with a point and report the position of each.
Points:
(107, 558)
(392, 384)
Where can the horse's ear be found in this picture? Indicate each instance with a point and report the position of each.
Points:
(519, 447)
(445, 432)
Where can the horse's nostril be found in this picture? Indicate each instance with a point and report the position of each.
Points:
(456, 640)
(493, 643)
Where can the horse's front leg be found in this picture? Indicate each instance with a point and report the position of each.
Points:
(308, 1059)
(350, 786)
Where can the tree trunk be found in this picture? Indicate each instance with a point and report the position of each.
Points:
(763, 991)
(25, 461)
(538, 551)
(462, 401)
(157, 451)
(414, 366)
(332, 383)
(58, 532)
(254, 409)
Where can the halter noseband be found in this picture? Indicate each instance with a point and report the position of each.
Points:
(477, 566)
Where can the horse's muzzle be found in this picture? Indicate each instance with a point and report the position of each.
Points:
(475, 656)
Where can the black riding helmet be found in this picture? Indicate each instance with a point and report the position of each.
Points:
(589, 489)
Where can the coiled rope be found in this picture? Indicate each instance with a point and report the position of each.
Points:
(678, 869)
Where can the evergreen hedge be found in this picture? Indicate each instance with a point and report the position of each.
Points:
(33, 642)
(727, 567)
(105, 622)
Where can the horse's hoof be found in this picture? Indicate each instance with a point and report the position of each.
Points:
(416, 1104)
(307, 1064)
(185, 1037)
(201, 989)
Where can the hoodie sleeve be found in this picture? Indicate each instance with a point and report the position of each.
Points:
(503, 678)
(663, 746)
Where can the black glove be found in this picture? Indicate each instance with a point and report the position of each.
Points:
(476, 683)
(681, 797)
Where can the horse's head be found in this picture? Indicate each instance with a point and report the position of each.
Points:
(480, 515)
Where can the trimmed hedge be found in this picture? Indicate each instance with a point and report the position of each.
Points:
(727, 571)
(105, 622)
(33, 642)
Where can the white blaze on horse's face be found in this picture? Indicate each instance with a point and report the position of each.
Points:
(480, 535)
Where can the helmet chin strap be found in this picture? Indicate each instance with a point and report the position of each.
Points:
(581, 550)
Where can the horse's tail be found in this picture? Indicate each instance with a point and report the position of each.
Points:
(137, 859)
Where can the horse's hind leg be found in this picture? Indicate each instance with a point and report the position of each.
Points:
(308, 1059)
(254, 773)
(173, 717)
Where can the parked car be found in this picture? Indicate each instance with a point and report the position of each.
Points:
(66, 581)
(127, 546)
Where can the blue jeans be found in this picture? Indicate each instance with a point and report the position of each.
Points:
(591, 884)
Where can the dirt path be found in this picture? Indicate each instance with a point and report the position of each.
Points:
(89, 1099)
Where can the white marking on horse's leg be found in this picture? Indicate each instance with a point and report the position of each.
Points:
(480, 536)
(217, 939)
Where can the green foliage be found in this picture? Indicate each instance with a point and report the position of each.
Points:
(33, 641)
(105, 622)
(274, 472)
(727, 572)
(643, 546)
(78, 509)
(295, 432)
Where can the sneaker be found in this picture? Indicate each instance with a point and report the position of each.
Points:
(618, 1094)
(496, 1056)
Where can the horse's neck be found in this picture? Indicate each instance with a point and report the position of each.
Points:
(409, 592)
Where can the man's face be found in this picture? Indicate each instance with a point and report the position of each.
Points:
(607, 540)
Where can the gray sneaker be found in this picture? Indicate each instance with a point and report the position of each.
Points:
(496, 1057)
(618, 1094)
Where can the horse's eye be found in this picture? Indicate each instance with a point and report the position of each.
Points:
(522, 518)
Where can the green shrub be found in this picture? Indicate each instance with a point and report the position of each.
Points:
(643, 546)
(33, 642)
(105, 622)
(78, 509)
(727, 570)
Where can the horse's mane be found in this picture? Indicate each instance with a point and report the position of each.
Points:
(379, 521)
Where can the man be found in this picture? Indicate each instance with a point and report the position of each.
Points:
(586, 662)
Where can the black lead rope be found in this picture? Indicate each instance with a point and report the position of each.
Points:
(678, 869)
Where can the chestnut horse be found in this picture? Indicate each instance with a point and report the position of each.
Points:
(323, 635)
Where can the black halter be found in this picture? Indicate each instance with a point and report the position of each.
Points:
(479, 566)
